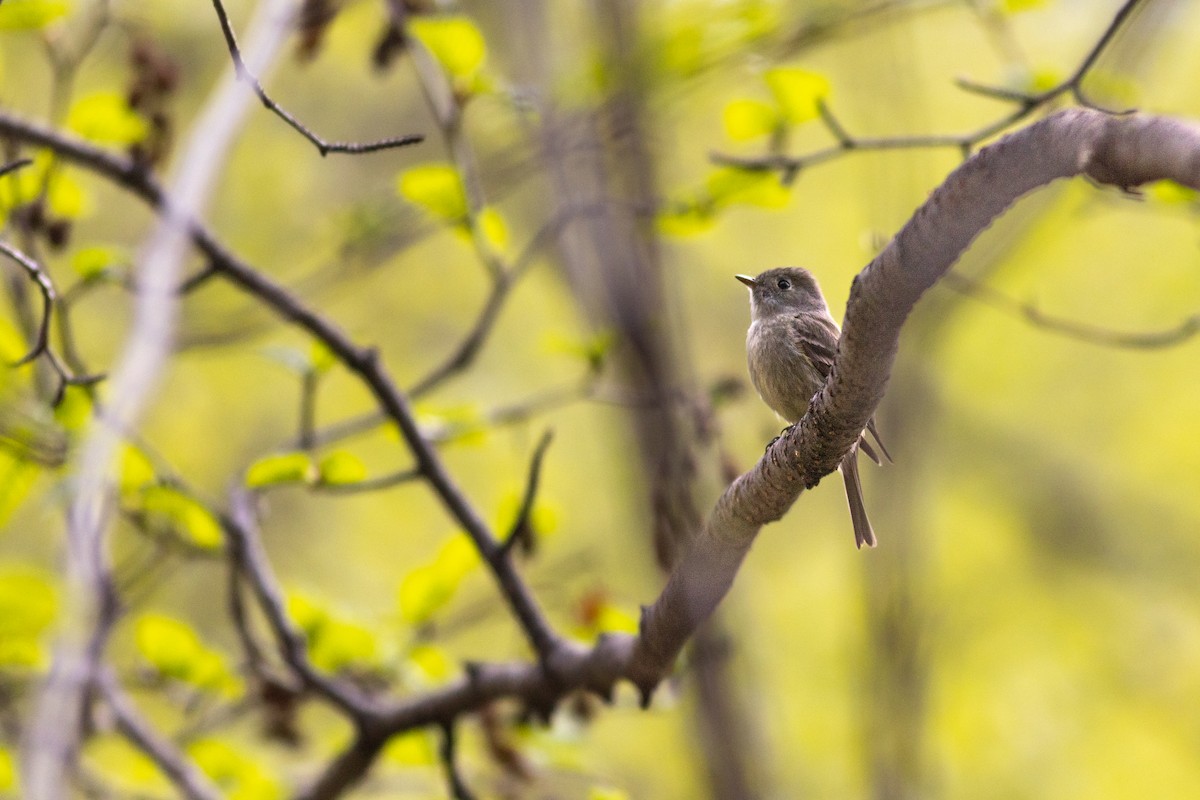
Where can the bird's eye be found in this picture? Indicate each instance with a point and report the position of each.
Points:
(784, 283)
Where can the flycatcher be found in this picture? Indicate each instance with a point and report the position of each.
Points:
(790, 348)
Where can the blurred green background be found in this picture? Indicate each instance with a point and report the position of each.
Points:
(1029, 625)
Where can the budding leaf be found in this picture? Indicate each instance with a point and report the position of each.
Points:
(106, 117)
(438, 189)
(797, 92)
(281, 469)
(455, 41)
(747, 119)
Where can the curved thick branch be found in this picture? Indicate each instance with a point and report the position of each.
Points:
(1122, 151)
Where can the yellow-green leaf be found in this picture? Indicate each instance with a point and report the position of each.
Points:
(423, 592)
(747, 119)
(455, 41)
(169, 511)
(75, 409)
(281, 468)
(432, 663)
(28, 604)
(17, 477)
(307, 613)
(239, 776)
(66, 197)
(412, 749)
(1017, 6)
(340, 468)
(137, 472)
(797, 92)
(93, 261)
(607, 793)
(493, 229)
(1172, 193)
(106, 117)
(321, 357)
(729, 185)
(686, 219)
(8, 771)
(170, 646)
(22, 15)
(437, 188)
(341, 644)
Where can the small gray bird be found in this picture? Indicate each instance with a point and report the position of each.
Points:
(790, 349)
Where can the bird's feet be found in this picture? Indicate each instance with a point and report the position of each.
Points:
(777, 438)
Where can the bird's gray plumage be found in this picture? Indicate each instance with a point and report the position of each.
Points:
(790, 348)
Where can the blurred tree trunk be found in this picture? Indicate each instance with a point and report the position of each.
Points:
(598, 160)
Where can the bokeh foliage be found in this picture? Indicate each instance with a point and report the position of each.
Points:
(1028, 627)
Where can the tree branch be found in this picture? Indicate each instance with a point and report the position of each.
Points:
(323, 147)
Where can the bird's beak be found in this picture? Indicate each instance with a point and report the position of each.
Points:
(746, 279)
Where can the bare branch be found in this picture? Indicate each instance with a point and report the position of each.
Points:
(458, 786)
(361, 361)
(35, 271)
(520, 530)
(791, 166)
(323, 147)
(1093, 334)
(190, 781)
(246, 548)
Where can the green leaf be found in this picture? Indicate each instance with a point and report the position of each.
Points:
(340, 468)
(309, 615)
(730, 185)
(92, 262)
(169, 511)
(137, 472)
(239, 776)
(75, 409)
(423, 592)
(66, 197)
(28, 605)
(24, 15)
(427, 589)
(168, 645)
(106, 117)
(412, 749)
(281, 469)
(686, 218)
(607, 793)
(1018, 6)
(432, 663)
(174, 650)
(797, 92)
(438, 189)
(493, 229)
(749, 119)
(342, 644)
(8, 771)
(321, 357)
(17, 477)
(455, 41)
(1172, 193)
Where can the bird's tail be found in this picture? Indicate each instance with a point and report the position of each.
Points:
(858, 512)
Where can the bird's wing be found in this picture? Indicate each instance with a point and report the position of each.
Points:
(817, 338)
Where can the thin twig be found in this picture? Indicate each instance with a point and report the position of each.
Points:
(323, 147)
(42, 279)
(246, 548)
(182, 772)
(520, 530)
(1092, 334)
(790, 166)
(448, 752)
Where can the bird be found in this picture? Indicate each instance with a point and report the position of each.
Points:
(790, 348)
